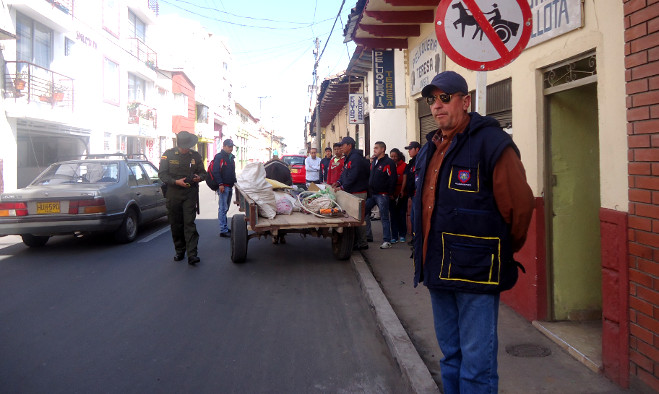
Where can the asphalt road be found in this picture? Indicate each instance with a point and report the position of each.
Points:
(86, 315)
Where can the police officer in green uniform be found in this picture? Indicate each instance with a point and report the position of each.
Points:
(181, 168)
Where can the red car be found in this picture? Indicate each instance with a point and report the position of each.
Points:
(298, 171)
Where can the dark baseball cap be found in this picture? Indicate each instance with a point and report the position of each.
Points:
(348, 140)
(228, 142)
(448, 82)
(413, 145)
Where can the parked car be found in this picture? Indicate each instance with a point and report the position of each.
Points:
(298, 171)
(101, 193)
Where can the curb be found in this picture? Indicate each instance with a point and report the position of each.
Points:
(411, 365)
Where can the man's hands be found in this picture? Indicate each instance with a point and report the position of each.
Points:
(221, 189)
(181, 182)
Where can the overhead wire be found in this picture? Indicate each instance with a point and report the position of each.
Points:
(241, 24)
(236, 15)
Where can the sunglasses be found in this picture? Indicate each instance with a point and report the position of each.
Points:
(443, 97)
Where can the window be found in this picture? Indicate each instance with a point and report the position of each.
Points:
(136, 28)
(152, 172)
(138, 175)
(111, 17)
(110, 81)
(136, 88)
(34, 42)
(68, 46)
(500, 102)
(180, 104)
(202, 113)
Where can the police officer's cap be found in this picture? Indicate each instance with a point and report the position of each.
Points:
(186, 140)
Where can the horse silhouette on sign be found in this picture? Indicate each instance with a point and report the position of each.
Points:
(504, 29)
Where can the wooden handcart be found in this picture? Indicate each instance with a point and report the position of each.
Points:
(341, 229)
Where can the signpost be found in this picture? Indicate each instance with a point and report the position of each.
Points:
(482, 35)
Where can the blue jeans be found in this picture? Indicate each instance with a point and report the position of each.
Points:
(223, 207)
(466, 329)
(382, 201)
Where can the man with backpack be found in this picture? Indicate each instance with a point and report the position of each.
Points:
(224, 174)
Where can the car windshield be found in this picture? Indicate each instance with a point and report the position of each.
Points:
(293, 160)
(79, 172)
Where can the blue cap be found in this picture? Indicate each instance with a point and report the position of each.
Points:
(348, 140)
(448, 82)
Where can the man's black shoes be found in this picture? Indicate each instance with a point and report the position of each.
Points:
(179, 256)
(193, 260)
(226, 235)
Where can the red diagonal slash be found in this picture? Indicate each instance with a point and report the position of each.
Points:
(486, 27)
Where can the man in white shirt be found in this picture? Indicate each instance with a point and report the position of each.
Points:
(312, 165)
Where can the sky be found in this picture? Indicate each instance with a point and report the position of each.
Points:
(272, 44)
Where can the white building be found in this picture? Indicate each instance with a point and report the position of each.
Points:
(79, 80)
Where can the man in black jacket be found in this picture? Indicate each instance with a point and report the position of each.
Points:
(224, 172)
(413, 148)
(381, 186)
(354, 180)
(325, 163)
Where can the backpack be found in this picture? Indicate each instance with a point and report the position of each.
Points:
(210, 180)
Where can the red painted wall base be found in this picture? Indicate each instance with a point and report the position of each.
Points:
(615, 300)
(529, 296)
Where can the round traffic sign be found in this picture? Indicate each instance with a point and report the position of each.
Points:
(482, 34)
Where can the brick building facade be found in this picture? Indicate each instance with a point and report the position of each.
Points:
(642, 76)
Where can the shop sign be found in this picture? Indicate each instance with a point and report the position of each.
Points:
(552, 18)
(356, 108)
(426, 63)
(383, 79)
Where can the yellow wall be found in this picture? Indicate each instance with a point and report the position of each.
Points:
(602, 32)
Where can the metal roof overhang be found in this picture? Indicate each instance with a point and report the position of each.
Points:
(333, 96)
(387, 24)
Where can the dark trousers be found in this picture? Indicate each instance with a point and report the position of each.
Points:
(398, 214)
(182, 212)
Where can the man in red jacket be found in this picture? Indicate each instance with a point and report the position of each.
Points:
(335, 165)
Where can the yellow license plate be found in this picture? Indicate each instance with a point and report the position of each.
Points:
(294, 171)
(48, 207)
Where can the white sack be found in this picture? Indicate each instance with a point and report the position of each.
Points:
(252, 181)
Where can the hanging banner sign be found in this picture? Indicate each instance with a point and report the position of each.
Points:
(356, 109)
(426, 63)
(554, 18)
(480, 35)
(383, 79)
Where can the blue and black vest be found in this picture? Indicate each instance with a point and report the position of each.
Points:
(469, 243)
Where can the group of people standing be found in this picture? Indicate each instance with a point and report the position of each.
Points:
(385, 181)
(470, 213)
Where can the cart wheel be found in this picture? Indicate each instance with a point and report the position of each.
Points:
(342, 243)
(238, 238)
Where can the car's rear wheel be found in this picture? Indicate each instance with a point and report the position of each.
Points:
(35, 241)
(127, 232)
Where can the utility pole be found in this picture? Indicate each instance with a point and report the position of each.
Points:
(261, 98)
(316, 83)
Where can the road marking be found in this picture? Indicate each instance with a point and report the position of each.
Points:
(154, 235)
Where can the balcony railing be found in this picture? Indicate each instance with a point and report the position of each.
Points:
(142, 114)
(66, 6)
(143, 53)
(27, 82)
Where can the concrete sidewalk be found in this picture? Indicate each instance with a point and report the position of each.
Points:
(539, 366)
